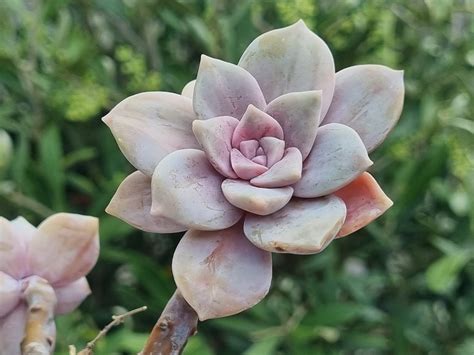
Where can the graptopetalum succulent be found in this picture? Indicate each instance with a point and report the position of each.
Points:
(42, 274)
(265, 156)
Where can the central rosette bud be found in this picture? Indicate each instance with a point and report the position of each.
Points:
(252, 148)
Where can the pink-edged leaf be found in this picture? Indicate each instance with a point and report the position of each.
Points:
(70, 296)
(255, 124)
(188, 90)
(298, 113)
(283, 173)
(291, 59)
(253, 199)
(245, 168)
(187, 189)
(215, 136)
(365, 201)
(150, 125)
(369, 99)
(10, 292)
(14, 238)
(301, 227)
(132, 204)
(337, 158)
(224, 89)
(12, 330)
(64, 248)
(221, 273)
(273, 148)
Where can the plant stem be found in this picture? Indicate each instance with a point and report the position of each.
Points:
(40, 330)
(171, 332)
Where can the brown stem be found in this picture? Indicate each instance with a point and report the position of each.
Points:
(40, 330)
(171, 332)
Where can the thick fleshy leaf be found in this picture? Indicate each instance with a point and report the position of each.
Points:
(186, 188)
(301, 227)
(150, 125)
(255, 124)
(337, 158)
(224, 89)
(215, 137)
(221, 273)
(14, 238)
(12, 331)
(249, 148)
(260, 159)
(298, 113)
(283, 173)
(70, 296)
(273, 148)
(188, 89)
(365, 201)
(245, 168)
(64, 248)
(132, 204)
(256, 200)
(10, 292)
(291, 59)
(369, 99)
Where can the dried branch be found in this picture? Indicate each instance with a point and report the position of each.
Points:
(171, 332)
(116, 320)
(40, 330)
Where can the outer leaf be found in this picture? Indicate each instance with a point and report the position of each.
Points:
(291, 59)
(365, 201)
(301, 227)
(71, 295)
(10, 292)
(132, 204)
(369, 99)
(224, 89)
(65, 248)
(221, 273)
(150, 125)
(337, 158)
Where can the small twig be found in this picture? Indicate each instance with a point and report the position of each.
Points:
(40, 330)
(116, 320)
(171, 332)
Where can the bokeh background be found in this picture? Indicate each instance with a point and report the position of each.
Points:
(403, 285)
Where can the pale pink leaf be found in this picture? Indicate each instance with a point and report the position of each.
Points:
(70, 296)
(215, 136)
(150, 125)
(10, 292)
(64, 248)
(245, 168)
(187, 189)
(224, 89)
(301, 227)
(291, 59)
(12, 330)
(258, 200)
(221, 273)
(283, 173)
(298, 113)
(132, 204)
(188, 89)
(337, 158)
(369, 99)
(255, 124)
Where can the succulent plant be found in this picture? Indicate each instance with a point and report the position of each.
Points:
(59, 253)
(269, 155)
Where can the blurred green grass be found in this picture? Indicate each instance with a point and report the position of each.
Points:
(403, 285)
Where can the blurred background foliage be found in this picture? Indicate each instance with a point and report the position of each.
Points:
(403, 285)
